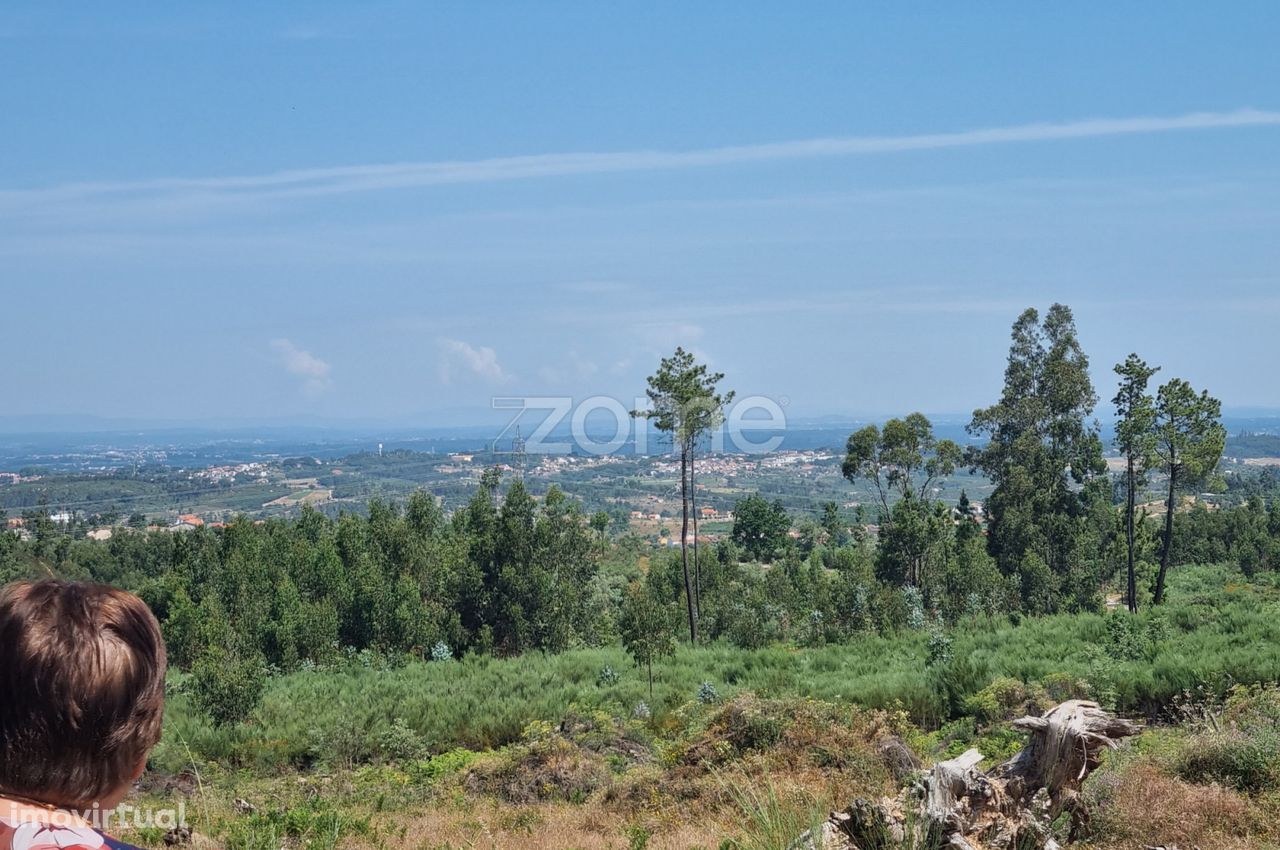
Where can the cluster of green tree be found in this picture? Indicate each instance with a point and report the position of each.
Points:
(833, 594)
(1245, 444)
(1241, 485)
(1176, 432)
(827, 583)
(1051, 524)
(119, 489)
(505, 574)
(1053, 536)
(1248, 535)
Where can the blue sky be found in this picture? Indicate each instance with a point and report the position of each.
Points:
(399, 210)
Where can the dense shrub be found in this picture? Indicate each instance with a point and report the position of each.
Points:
(479, 702)
(1248, 760)
(1240, 746)
(546, 768)
(227, 685)
(1007, 699)
(750, 724)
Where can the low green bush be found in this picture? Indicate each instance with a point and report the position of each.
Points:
(314, 825)
(1238, 745)
(1007, 699)
(438, 767)
(354, 713)
(1248, 760)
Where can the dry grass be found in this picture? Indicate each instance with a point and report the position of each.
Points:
(555, 769)
(810, 757)
(493, 825)
(1144, 806)
(792, 736)
(752, 770)
(588, 782)
(679, 808)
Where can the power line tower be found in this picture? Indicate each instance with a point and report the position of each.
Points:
(517, 458)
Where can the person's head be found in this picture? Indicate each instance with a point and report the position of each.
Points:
(81, 691)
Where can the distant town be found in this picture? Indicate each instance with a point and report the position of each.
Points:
(137, 490)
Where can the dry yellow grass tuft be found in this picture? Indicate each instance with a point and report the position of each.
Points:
(1147, 807)
(494, 825)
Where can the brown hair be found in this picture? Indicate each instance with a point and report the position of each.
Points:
(81, 689)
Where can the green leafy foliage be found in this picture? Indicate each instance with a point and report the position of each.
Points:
(648, 630)
(227, 685)
(1041, 453)
(1188, 442)
(760, 527)
(903, 458)
(1216, 638)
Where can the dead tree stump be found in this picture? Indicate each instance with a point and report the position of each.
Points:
(955, 806)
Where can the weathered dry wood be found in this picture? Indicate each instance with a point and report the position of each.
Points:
(1064, 746)
(956, 806)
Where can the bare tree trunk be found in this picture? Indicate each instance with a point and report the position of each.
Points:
(697, 565)
(1166, 552)
(684, 542)
(1129, 510)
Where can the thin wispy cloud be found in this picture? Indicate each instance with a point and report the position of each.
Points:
(403, 175)
(302, 364)
(571, 367)
(461, 359)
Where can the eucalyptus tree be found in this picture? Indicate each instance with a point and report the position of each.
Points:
(904, 459)
(1135, 438)
(646, 626)
(1041, 449)
(1189, 441)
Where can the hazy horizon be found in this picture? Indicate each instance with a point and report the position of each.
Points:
(476, 420)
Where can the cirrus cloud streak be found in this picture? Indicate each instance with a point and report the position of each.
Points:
(403, 175)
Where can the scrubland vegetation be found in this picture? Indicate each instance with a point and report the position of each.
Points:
(1219, 631)
(740, 746)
